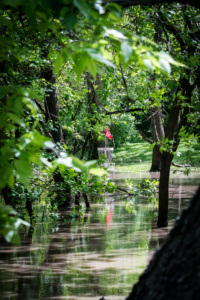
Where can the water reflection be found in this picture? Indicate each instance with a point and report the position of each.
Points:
(102, 255)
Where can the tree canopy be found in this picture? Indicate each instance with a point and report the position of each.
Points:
(67, 69)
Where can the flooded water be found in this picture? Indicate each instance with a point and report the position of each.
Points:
(103, 254)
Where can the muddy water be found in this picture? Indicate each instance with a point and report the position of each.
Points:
(103, 254)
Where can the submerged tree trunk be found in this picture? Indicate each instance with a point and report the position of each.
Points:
(166, 159)
(174, 271)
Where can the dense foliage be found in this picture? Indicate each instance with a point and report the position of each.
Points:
(70, 70)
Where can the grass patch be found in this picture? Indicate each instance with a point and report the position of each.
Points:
(137, 157)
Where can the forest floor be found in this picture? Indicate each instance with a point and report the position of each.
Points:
(136, 157)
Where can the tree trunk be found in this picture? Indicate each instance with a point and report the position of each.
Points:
(6, 193)
(94, 99)
(52, 104)
(166, 159)
(156, 160)
(157, 134)
(29, 207)
(174, 271)
(64, 197)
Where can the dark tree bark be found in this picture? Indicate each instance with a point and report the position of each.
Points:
(156, 160)
(174, 272)
(6, 193)
(166, 159)
(87, 202)
(52, 104)
(29, 207)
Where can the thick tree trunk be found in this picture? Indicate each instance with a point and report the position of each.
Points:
(156, 160)
(174, 271)
(166, 159)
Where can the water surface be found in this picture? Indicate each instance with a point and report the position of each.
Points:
(103, 254)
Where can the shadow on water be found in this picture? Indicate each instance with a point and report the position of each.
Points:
(104, 254)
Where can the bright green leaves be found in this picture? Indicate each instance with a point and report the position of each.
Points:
(62, 58)
(17, 154)
(17, 157)
(97, 56)
(78, 165)
(6, 175)
(113, 33)
(84, 58)
(126, 51)
(9, 224)
(23, 171)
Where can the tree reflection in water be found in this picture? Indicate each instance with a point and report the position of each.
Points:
(102, 255)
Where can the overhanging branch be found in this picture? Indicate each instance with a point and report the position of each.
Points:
(123, 111)
(128, 3)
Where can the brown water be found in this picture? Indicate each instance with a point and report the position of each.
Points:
(104, 254)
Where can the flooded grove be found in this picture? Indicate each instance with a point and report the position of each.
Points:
(103, 254)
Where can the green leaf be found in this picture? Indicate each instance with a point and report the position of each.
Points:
(3, 118)
(23, 171)
(6, 175)
(148, 64)
(49, 144)
(6, 210)
(97, 171)
(62, 58)
(92, 68)
(126, 50)
(3, 92)
(165, 66)
(78, 164)
(58, 63)
(115, 33)
(5, 21)
(96, 55)
(80, 62)
(10, 180)
(45, 161)
(65, 161)
(90, 163)
(83, 6)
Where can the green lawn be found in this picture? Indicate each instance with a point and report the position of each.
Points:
(136, 157)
